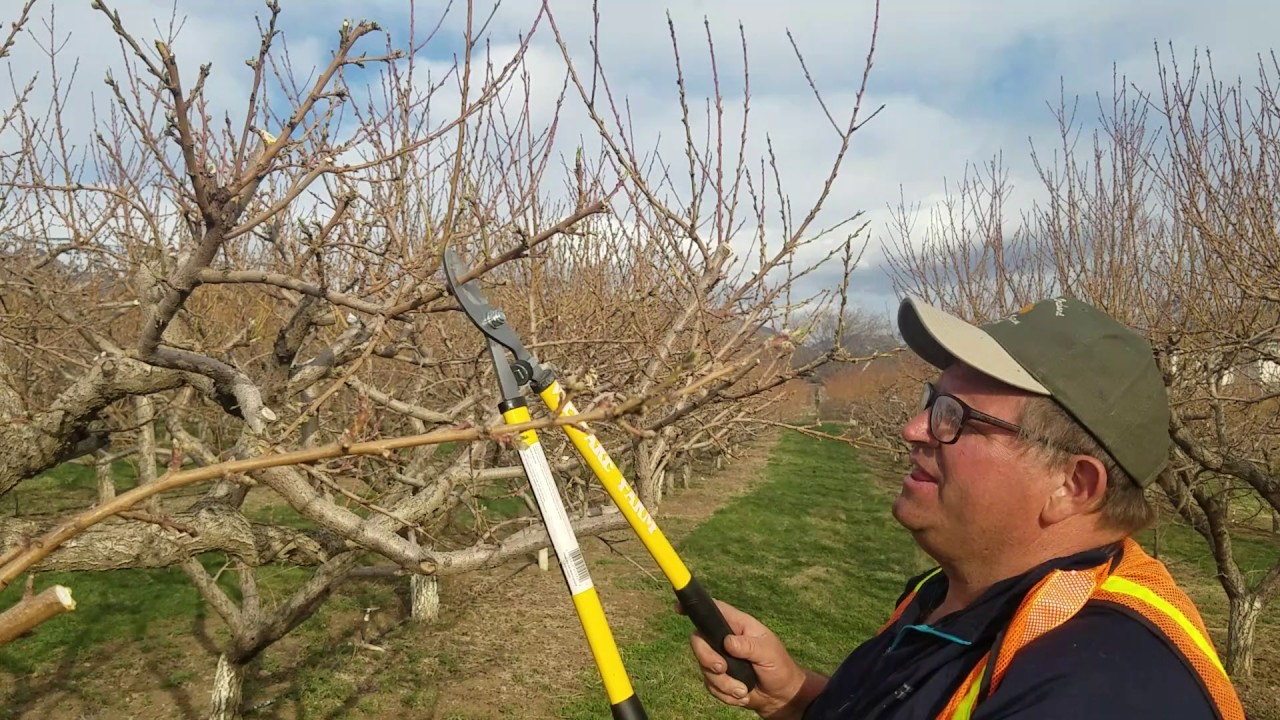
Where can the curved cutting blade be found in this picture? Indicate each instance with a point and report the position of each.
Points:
(491, 321)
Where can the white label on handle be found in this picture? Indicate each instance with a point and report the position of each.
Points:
(572, 564)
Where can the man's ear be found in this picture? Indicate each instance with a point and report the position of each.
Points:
(1083, 486)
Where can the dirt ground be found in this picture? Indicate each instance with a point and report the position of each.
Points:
(515, 675)
(507, 643)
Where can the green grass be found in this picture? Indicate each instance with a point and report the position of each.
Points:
(67, 486)
(278, 514)
(154, 613)
(812, 552)
(137, 606)
(158, 611)
(1185, 550)
(118, 605)
(815, 554)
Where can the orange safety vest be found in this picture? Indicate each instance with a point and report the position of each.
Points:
(1140, 585)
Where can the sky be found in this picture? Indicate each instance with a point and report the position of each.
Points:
(958, 82)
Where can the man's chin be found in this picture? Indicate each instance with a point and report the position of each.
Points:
(909, 514)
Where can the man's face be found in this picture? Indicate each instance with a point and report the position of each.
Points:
(980, 494)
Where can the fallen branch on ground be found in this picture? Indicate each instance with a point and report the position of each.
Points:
(33, 610)
(21, 557)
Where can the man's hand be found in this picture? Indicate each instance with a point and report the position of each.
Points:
(784, 690)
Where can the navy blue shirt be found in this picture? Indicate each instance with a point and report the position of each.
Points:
(1102, 664)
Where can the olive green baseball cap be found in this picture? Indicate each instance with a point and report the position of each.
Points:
(1100, 371)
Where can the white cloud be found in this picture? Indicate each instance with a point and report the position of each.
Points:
(960, 82)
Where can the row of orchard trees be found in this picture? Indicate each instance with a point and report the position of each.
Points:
(184, 285)
(1168, 216)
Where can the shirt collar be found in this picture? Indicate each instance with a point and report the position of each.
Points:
(987, 615)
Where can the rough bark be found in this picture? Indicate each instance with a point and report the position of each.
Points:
(1244, 614)
(103, 475)
(36, 442)
(524, 542)
(145, 414)
(171, 539)
(228, 686)
(424, 598)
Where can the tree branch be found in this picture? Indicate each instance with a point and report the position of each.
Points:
(120, 544)
(62, 432)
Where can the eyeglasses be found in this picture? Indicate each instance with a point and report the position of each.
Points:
(949, 414)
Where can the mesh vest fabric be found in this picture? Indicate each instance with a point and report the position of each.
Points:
(1139, 585)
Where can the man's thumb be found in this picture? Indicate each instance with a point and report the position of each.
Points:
(739, 646)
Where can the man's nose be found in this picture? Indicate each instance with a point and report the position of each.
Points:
(916, 429)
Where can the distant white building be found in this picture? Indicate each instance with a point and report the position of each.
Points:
(1261, 371)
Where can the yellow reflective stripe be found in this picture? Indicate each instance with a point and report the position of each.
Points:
(926, 579)
(1120, 585)
(965, 708)
(902, 606)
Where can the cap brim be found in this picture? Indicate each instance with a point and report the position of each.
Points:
(940, 339)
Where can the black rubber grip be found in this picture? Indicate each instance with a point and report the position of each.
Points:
(629, 709)
(710, 622)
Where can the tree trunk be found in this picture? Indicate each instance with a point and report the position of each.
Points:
(62, 430)
(1245, 612)
(1155, 536)
(424, 598)
(424, 592)
(228, 683)
(312, 424)
(647, 479)
(145, 416)
(106, 481)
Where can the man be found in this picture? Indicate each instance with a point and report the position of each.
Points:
(1029, 460)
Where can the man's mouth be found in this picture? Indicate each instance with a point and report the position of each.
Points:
(919, 475)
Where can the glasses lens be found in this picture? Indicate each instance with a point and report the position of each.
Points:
(945, 419)
(926, 394)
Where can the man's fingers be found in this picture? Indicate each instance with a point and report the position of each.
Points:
(754, 649)
(706, 655)
(725, 696)
(714, 673)
(739, 646)
(715, 670)
(743, 647)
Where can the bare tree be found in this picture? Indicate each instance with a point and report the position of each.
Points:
(858, 332)
(1166, 219)
(250, 300)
